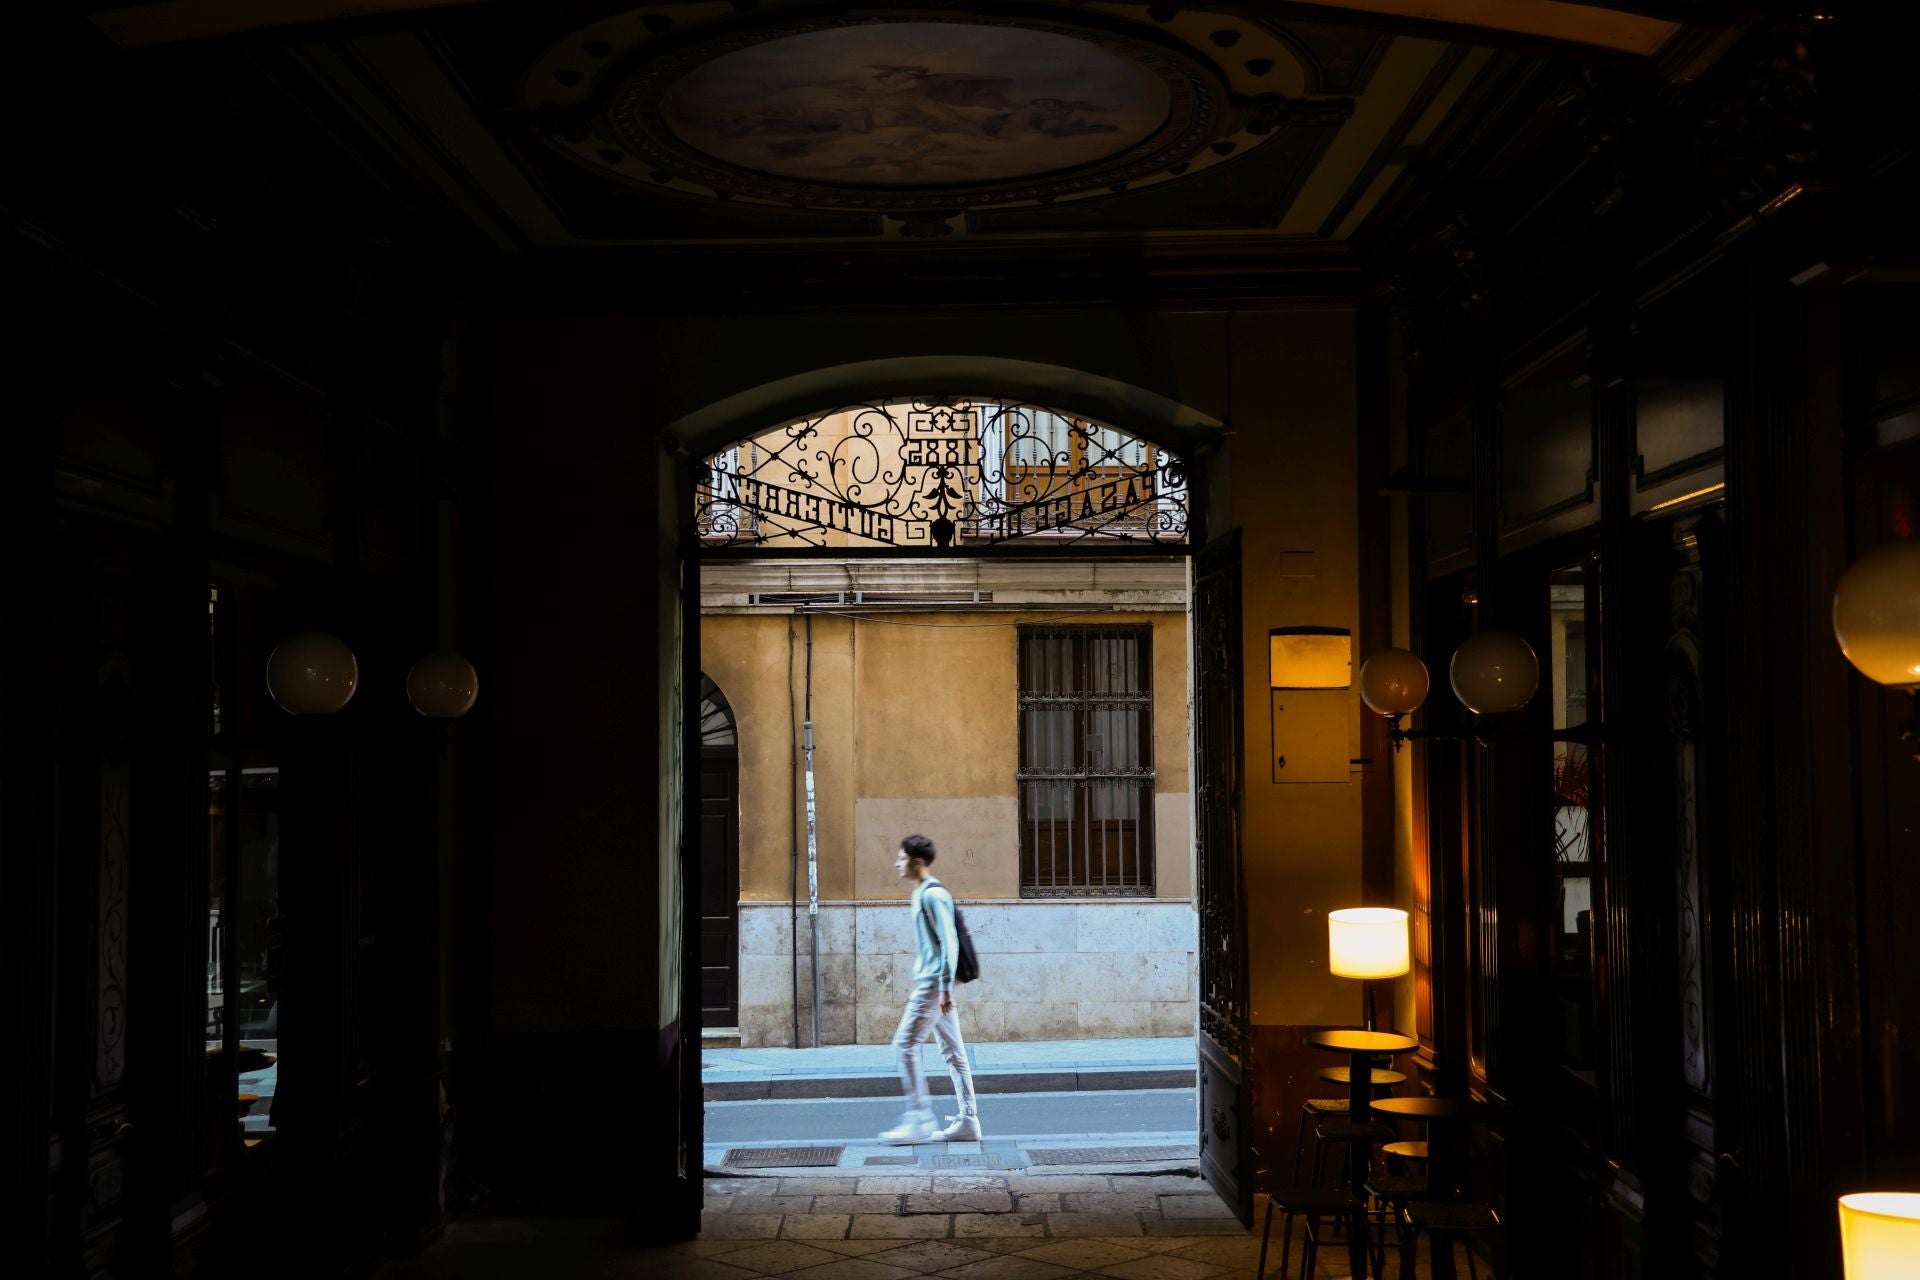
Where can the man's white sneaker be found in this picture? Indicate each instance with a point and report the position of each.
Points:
(962, 1128)
(911, 1129)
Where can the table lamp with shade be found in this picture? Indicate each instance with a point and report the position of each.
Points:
(1880, 1235)
(1368, 943)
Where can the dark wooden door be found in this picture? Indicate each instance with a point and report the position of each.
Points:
(1226, 1130)
(720, 890)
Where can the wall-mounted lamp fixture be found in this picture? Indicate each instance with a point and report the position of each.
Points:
(1368, 943)
(1876, 619)
(1492, 673)
(1880, 1235)
(312, 674)
(442, 686)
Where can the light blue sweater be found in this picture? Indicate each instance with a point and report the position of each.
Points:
(935, 953)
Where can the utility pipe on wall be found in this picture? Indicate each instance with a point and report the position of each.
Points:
(813, 845)
(793, 866)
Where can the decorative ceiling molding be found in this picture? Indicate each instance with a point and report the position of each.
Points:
(706, 104)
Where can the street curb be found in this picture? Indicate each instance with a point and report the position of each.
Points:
(874, 1086)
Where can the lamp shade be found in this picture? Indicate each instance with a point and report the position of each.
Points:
(1367, 942)
(442, 686)
(1394, 682)
(1876, 613)
(1494, 672)
(1880, 1235)
(312, 674)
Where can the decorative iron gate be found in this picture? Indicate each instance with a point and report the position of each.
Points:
(940, 475)
(1225, 1087)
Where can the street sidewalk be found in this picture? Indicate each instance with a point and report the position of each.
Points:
(1013, 1066)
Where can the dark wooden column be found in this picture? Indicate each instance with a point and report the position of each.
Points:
(1796, 1073)
(27, 863)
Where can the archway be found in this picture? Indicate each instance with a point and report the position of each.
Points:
(1158, 425)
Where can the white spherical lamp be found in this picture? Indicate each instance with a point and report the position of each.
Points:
(1494, 672)
(1394, 682)
(1876, 613)
(312, 674)
(442, 686)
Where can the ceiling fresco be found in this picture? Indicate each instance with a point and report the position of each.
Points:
(744, 123)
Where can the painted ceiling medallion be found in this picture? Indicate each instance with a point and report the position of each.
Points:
(916, 111)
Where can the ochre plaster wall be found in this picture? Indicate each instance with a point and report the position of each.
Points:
(915, 729)
(1294, 496)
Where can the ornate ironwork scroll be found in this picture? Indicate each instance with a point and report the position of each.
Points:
(941, 474)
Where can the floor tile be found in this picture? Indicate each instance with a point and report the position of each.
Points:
(814, 1226)
(887, 1186)
(853, 1269)
(740, 1226)
(944, 1201)
(978, 1225)
(1160, 1183)
(818, 1186)
(856, 1204)
(1162, 1266)
(1110, 1202)
(778, 1257)
(926, 1256)
(856, 1248)
(1056, 1182)
(1229, 1251)
(1008, 1266)
(875, 1226)
(1203, 1206)
(1037, 1202)
(1084, 1255)
(1092, 1224)
(771, 1204)
(1195, 1227)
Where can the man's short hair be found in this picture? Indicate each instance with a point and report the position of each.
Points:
(918, 847)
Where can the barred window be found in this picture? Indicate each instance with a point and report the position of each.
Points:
(1086, 762)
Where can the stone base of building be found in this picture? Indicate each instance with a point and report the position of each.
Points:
(1049, 970)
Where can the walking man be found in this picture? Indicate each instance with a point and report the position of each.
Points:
(930, 1007)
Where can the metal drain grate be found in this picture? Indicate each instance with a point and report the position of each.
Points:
(984, 1161)
(782, 1157)
(913, 1160)
(1105, 1155)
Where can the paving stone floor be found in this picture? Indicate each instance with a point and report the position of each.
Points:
(1011, 1226)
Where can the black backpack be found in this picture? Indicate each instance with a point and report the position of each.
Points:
(966, 967)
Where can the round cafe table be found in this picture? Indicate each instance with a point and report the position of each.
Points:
(1361, 1048)
(1446, 1120)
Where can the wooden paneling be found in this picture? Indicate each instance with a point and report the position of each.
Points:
(276, 480)
(1547, 465)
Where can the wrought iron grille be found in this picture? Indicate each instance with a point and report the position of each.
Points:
(940, 474)
(1086, 762)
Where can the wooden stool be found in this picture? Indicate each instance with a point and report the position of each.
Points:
(1443, 1221)
(1336, 1202)
(1405, 1151)
(1318, 1109)
(1359, 1139)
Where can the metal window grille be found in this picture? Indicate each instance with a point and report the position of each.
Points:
(1086, 762)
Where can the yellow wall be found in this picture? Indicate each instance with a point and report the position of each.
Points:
(1294, 496)
(915, 729)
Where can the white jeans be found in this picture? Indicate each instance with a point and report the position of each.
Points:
(922, 1016)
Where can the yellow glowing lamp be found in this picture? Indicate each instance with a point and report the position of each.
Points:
(1876, 613)
(1367, 942)
(1880, 1235)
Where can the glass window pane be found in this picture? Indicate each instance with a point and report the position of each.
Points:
(216, 894)
(254, 993)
